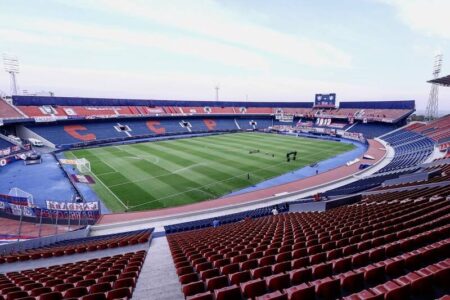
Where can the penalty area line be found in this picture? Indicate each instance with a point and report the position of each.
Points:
(106, 187)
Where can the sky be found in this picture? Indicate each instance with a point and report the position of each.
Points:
(260, 50)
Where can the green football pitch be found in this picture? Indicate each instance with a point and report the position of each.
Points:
(176, 172)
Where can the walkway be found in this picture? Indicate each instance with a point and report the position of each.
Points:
(158, 278)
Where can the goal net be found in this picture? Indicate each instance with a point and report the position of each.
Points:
(16, 192)
(83, 165)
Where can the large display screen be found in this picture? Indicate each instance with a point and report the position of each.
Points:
(325, 100)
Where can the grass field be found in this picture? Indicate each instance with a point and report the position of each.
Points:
(169, 173)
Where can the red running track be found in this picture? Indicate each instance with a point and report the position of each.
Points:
(376, 149)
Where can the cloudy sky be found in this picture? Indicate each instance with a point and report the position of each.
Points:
(265, 50)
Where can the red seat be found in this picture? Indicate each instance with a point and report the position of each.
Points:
(342, 265)
(335, 253)
(122, 293)
(249, 264)
(277, 295)
(322, 270)
(109, 278)
(201, 296)
(374, 274)
(239, 258)
(278, 282)
(209, 273)
(74, 279)
(95, 296)
(229, 292)
(126, 282)
(300, 252)
(281, 267)
(39, 291)
(253, 288)
(303, 291)
(16, 295)
(85, 283)
(75, 292)
(285, 256)
(216, 282)
(63, 287)
(300, 276)
(361, 259)
(377, 254)
(51, 296)
(266, 260)
(221, 262)
(392, 250)
(180, 271)
(395, 268)
(349, 250)
(100, 287)
(228, 269)
(203, 266)
(193, 288)
(300, 262)
(328, 288)
(352, 281)
(187, 278)
(30, 286)
(239, 277)
(261, 272)
(317, 258)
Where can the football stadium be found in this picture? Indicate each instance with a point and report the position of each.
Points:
(216, 199)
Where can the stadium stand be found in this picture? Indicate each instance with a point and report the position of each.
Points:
(410, 148)
(100, 278)
(5, 144)
(392, 249)
(392, 244)
(372, 130)
(80, 245)
(438, 130)
(8, 112)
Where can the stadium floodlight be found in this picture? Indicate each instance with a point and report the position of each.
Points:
(433, 100)
(217, 92)
(11, 64)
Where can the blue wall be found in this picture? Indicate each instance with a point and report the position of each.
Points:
(76, 101)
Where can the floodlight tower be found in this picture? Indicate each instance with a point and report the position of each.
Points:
(217, 92)
(433, 100)
(11, 64)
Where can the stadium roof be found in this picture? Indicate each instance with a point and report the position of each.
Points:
(445, 81)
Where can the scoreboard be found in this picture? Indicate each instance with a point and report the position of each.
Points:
(325, 100)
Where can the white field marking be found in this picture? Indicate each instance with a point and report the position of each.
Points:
(107, 188)
(155, 159)
(107, 173)
(219, 181)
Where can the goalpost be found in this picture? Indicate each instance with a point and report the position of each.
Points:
(83, 165)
